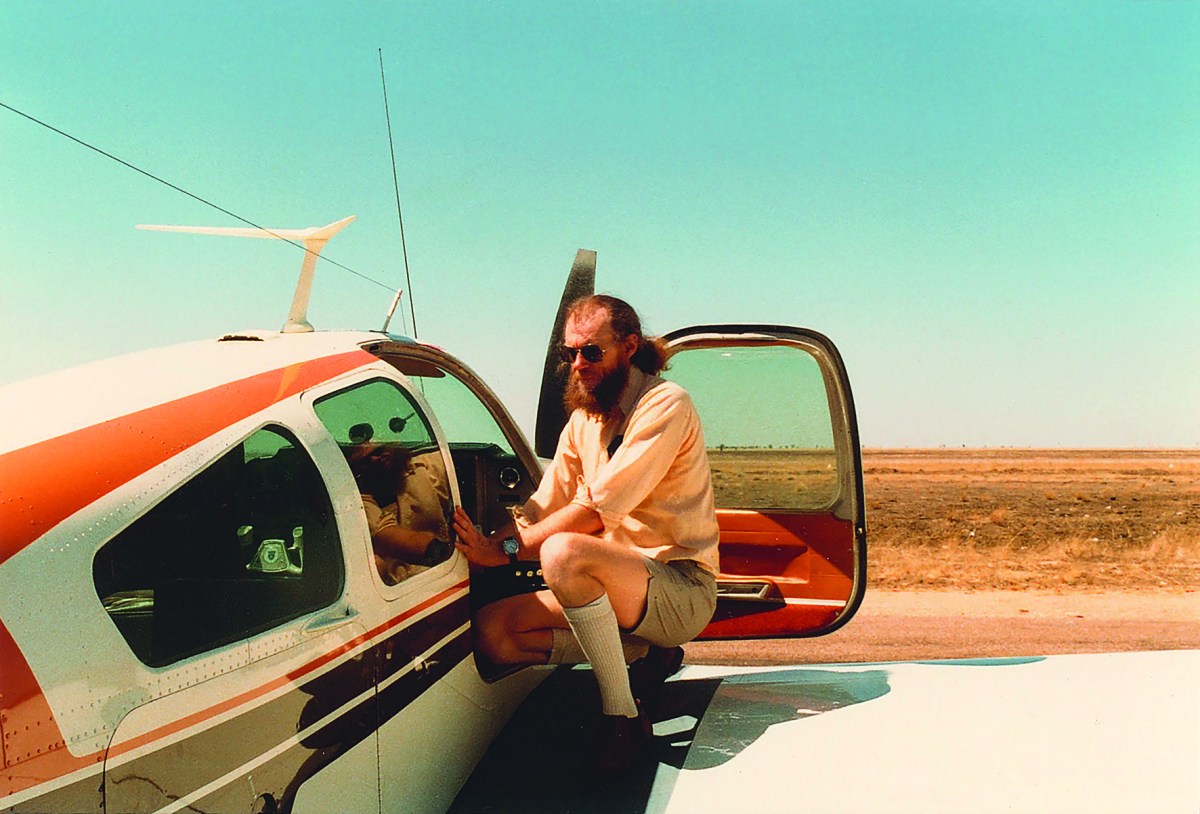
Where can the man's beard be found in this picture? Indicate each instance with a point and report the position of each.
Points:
(599, 400)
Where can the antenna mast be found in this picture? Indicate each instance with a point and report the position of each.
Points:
(399, 213)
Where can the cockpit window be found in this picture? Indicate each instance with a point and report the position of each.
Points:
(401, 475)
(462, 415)
(247, 544)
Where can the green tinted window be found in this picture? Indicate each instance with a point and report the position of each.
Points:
(378, 412)
(463, 417)
(767, 424)
(400, 472)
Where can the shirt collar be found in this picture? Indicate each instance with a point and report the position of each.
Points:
(633, 390)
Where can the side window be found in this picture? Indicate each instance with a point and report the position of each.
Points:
(767, 424)
(491, 476)
(400, 472)
(247, 544)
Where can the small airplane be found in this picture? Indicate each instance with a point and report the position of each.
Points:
(195, 615)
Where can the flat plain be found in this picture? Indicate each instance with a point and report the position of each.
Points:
(1008, 552)
(1019, 519)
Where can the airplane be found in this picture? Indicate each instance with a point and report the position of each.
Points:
(194, 615)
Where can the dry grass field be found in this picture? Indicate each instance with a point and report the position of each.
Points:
(1016, 519)
(991, 553)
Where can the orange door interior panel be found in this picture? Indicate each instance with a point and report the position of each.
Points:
(796, 571)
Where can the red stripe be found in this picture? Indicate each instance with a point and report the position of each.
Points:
(47, 482)
(284, 680)
(33, 740)
(44, 758)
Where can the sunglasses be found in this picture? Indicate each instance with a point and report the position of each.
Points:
(590, 353)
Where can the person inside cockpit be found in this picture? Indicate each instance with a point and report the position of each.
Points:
(400, 494)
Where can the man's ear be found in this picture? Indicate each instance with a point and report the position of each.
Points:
(631, 345)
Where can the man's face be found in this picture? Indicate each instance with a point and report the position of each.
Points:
(596, 386)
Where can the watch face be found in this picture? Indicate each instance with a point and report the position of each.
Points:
(510, 545)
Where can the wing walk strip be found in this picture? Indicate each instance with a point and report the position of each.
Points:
(296, 739)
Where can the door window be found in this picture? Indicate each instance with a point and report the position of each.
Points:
(401, 475)
(767, 424)
(247, 544)
(463, 416)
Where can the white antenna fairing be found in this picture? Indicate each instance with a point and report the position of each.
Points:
(313, 238)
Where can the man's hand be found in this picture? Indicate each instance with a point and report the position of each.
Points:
(475, 546)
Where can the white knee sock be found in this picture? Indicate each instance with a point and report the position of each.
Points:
(595, 626)
(566, 649)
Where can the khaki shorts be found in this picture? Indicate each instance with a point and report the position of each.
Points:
(680, 601)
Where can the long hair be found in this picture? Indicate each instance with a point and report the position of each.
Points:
(651, 354)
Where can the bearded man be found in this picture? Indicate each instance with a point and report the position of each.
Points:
(623, 523)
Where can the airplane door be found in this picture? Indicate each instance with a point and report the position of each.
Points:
(782, 440)
(244, 676)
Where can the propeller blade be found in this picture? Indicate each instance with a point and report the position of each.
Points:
(551, 414)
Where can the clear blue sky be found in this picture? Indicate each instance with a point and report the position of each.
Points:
(992, 208)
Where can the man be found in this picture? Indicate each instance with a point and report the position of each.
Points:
(404, 498)
(623, 523)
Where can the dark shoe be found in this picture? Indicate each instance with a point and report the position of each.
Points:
(621, 744)
(647, 674)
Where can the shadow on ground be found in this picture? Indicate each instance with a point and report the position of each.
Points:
(539, 762)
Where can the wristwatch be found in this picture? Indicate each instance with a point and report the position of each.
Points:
(510, 546)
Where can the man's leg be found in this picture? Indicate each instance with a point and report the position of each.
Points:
(595, 627)
(519, 629)
(601, 588)
(596, 588)
(680, 601)
(532, 629)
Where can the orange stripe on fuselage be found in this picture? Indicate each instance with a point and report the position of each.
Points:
(37, 743)
(290, 679)
(33, 739)
(45, 483)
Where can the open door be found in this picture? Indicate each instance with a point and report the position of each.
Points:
(782, 440)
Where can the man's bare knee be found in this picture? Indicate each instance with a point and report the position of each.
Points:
(498, 648)
(564, 556)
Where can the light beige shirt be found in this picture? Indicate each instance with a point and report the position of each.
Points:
(656, 492)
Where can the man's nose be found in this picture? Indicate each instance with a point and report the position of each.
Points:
(578, 362)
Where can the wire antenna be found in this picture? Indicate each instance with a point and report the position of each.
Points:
(412, 306)
(194, 196)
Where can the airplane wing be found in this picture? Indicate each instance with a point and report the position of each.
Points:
(1078, 733)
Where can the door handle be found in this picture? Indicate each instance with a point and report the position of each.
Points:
(754, 591)
(329, 620)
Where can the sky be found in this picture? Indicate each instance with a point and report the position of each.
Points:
(993, 209)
